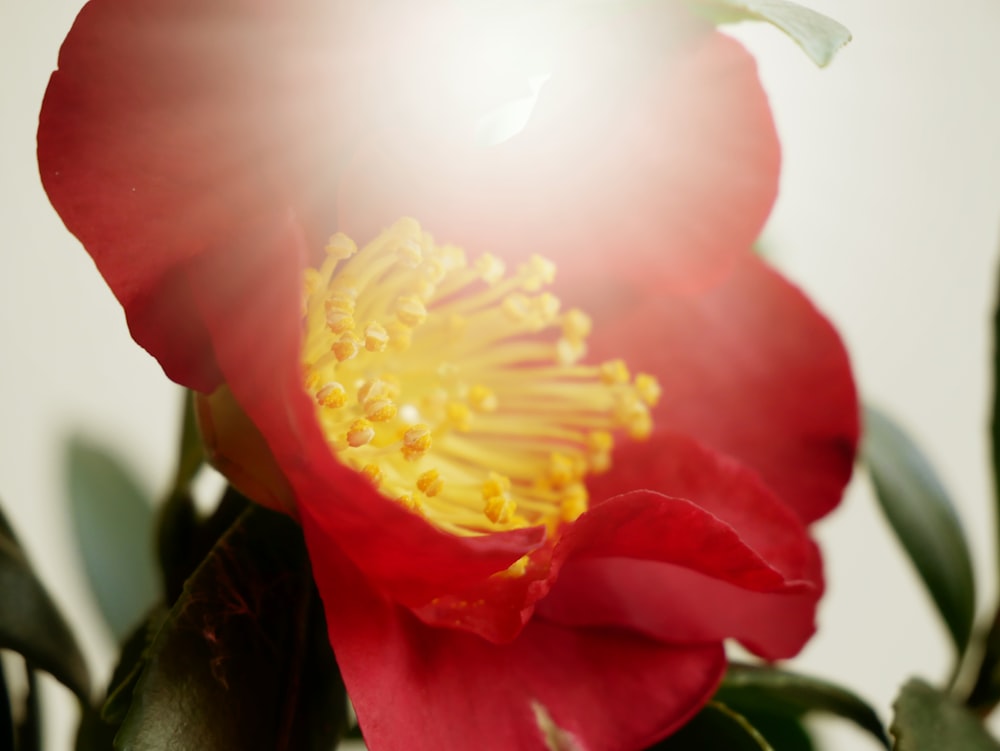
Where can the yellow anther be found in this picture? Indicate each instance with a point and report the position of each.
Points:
(482, 398)
(490, 268)
(376, 337)
(332, 395)
(360, 433)
(430, 483)
(614, 371)
(570, 351)
(409, 253)
(460, 416)
(517, 307)
(537, 273)
(573, 503)
(416, 441)
(410, 503)
(576, 325)
(340, 246)
(410, 310)
(372, 473)
(546, 307)
(563, 470)
(339, 301)
(633, 415)
(345, 348)
(648, 389)
(380, 410)
(496, 485)
(339, 321)
(499, 509)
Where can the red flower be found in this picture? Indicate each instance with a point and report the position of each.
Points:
(203, 152)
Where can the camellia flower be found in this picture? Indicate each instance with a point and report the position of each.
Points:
(551, 444)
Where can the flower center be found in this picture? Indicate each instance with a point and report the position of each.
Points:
(456, 388)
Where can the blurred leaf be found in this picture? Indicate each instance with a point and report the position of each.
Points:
(783, 732)
(183, 539)
(31, 624)
(190, 452)
(113, 518)
(29, 729)
(242, 659)
(927, 720)
(922, 515)
(819, 36)
(715, 727)
(986, 692)
(99, 725)
(6, 716)
(757, 688)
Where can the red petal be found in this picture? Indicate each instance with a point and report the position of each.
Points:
(712, 555)
(752, 369)
(656, 177)
(607, 690)
(179, 128)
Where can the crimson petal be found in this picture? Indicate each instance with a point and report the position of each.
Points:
(604, 689)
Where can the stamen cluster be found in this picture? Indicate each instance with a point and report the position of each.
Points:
(457, 388)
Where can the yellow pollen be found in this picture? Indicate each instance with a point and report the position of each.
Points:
(576, 325)
(341, 247)
(459, 389)
(615, 371)
(410, 310)
(360, 433)
(500, 509)
(648, 389)
(376, 337)
(430, 483)
(345, 348)
(373, 473)
(332, 395)
(416, 442)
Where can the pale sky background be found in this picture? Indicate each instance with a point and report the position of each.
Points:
(889, 216)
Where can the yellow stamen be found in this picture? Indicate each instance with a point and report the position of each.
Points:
(474, 407)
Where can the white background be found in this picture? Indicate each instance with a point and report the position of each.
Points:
(889, 216)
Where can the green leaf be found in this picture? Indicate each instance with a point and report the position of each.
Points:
(819, 36)
(242, 659)
(190, 451)
(715, 727)
(927, 720)
(113, 518)
(29, 729)
(753, 689)
(922, 515)
(31, 624)
(783, 732)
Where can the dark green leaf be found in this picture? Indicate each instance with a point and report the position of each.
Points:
(31, 624)
(783, 732)
(927, 720)
(819, 36)
(6, 716)
(190, 452)
(922, 515)
(242, 659)
(986, 691)
(183, 539)
(114, 525)
(756, 688)
(715, 727)
(29, 729)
